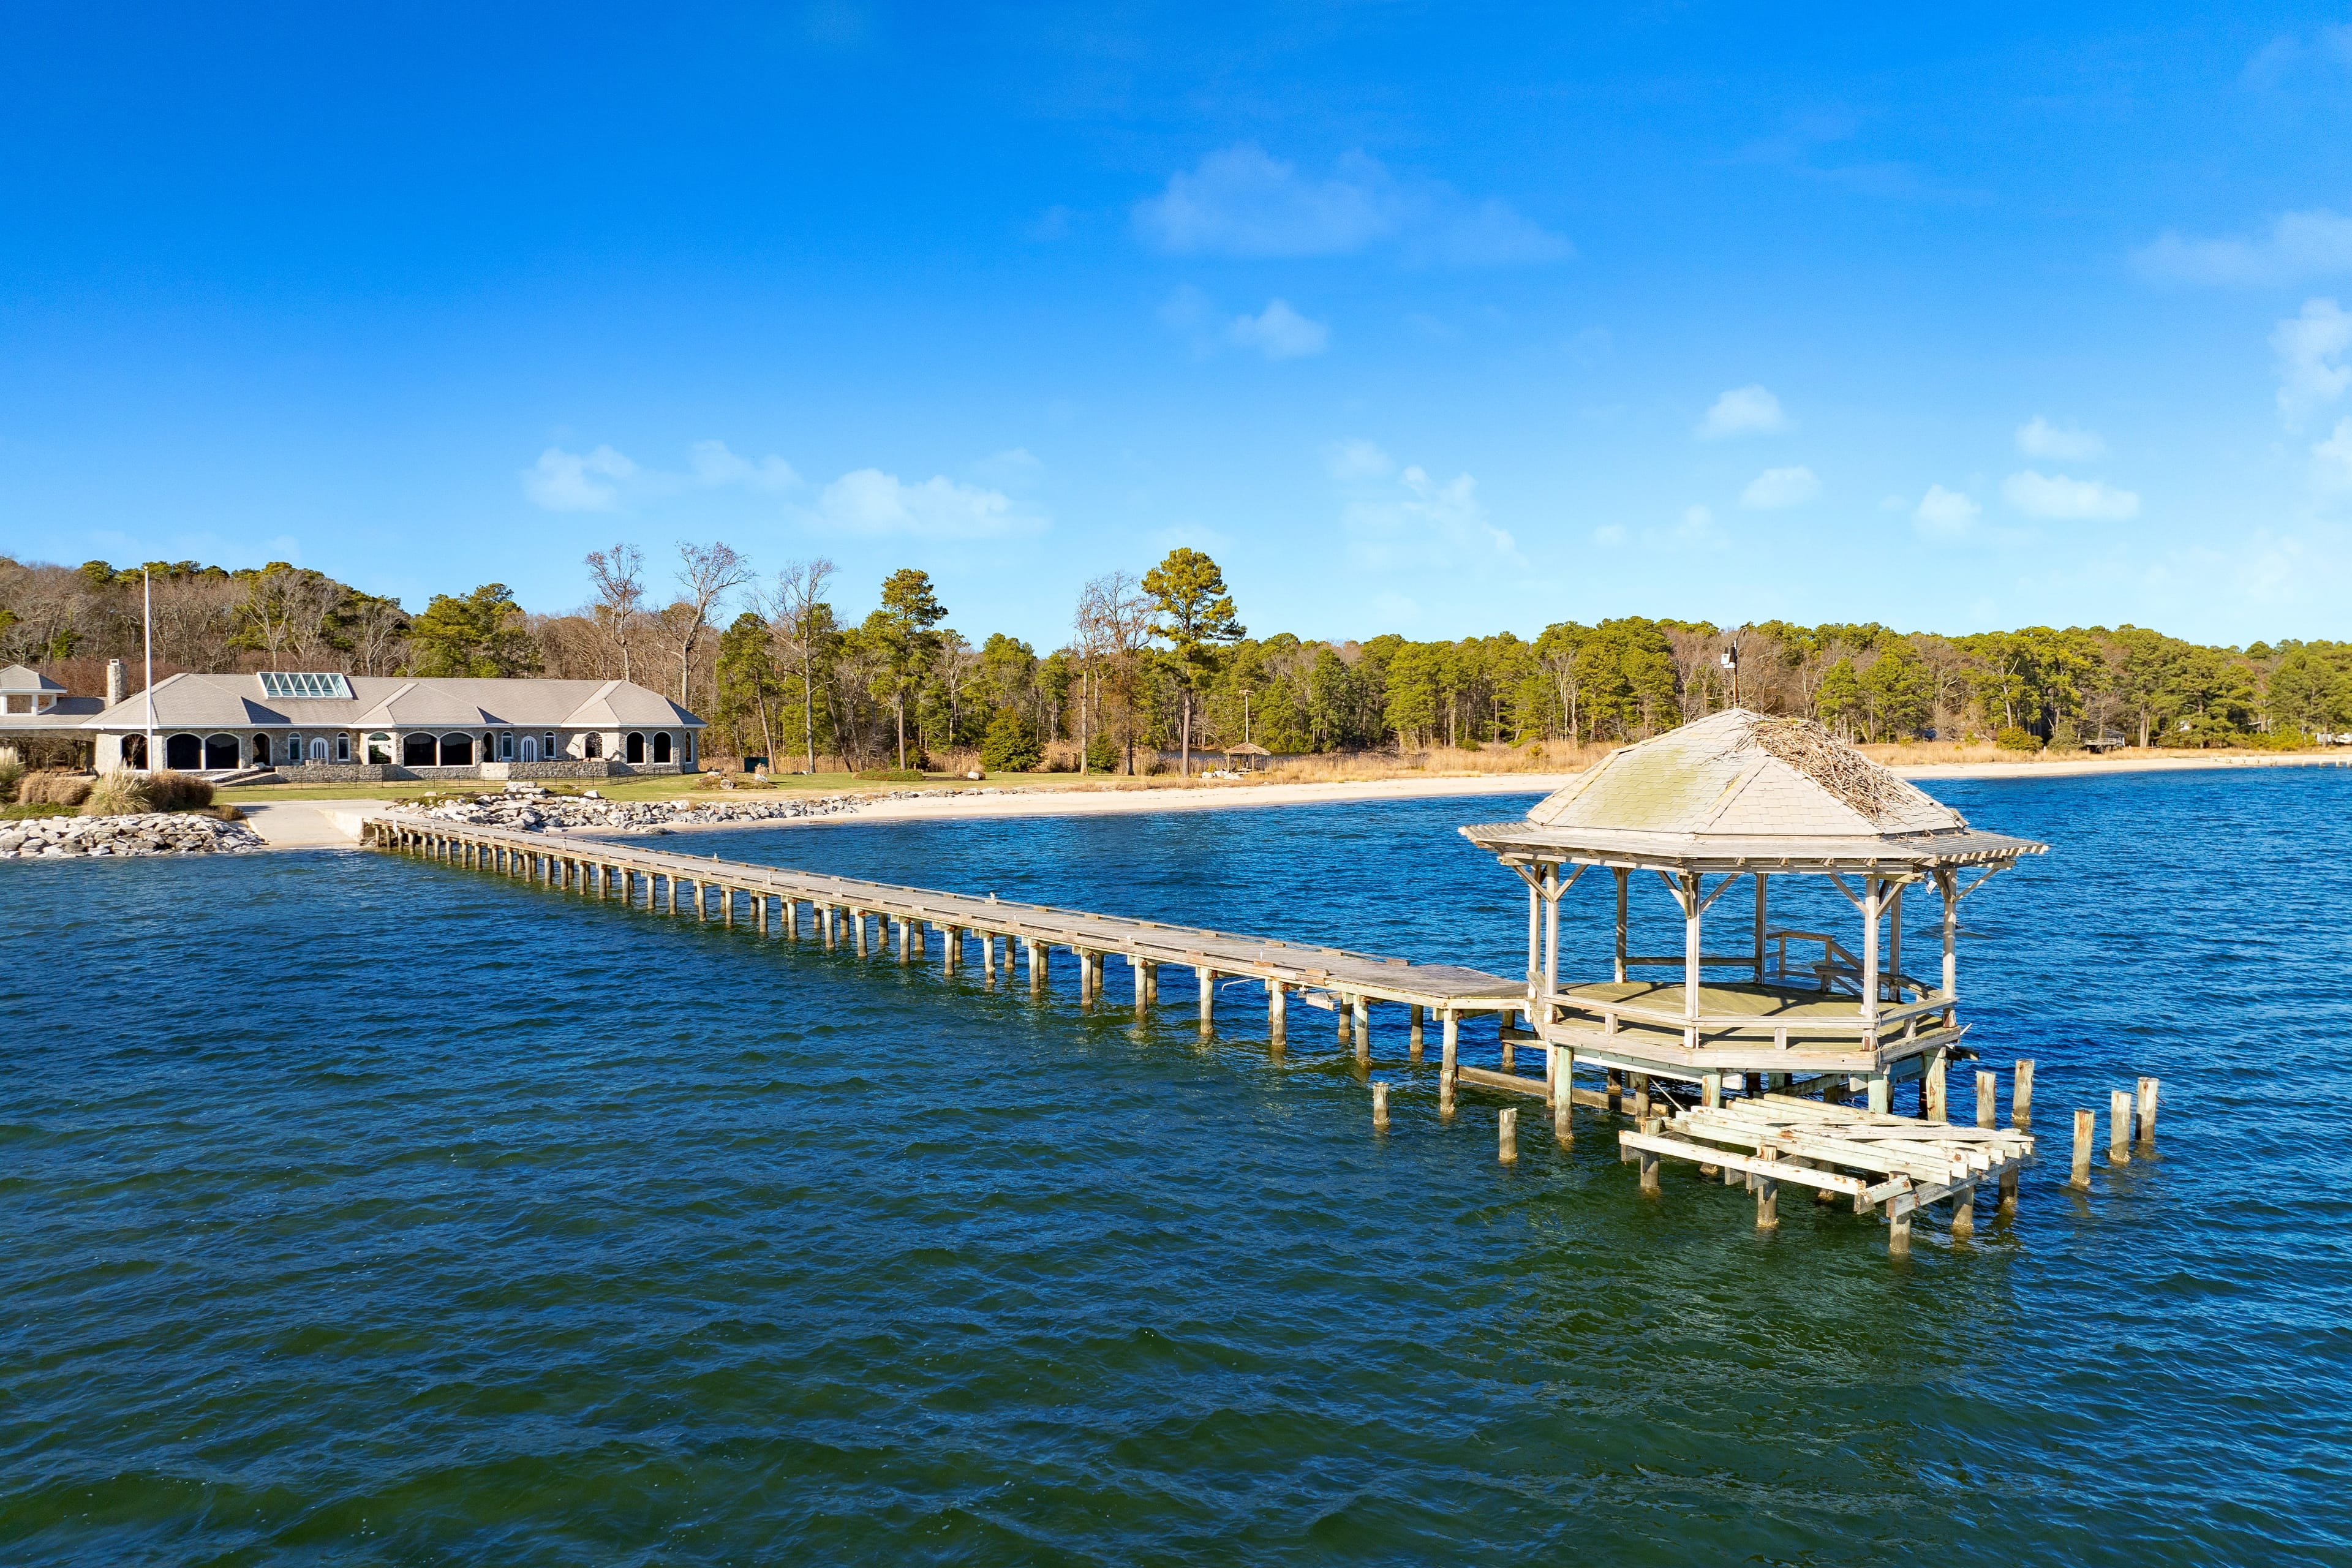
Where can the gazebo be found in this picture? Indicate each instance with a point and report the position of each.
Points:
(1740, 796)
(1247, 757)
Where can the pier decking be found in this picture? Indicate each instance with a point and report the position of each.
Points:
(1345, 981)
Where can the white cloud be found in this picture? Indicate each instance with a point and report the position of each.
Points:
(1357, 459)
(2334, 457)
(873, 503)
(1945, 514)
(1415, 523)
(2310, 348)
(1610, 535)
(2313, 244)
(1743, 411)
(2037, 437)
(1240, 201)
(1279, 332)
(1776, 488)
(2056, 496)
(577, 481)
(715, 466)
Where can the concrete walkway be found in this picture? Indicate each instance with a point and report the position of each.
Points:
(309, 824)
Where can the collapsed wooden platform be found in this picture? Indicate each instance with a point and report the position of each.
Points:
(1893, 1164)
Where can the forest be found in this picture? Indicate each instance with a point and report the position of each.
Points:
(1160, 670)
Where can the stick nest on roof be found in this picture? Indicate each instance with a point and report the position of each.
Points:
(1852, 779)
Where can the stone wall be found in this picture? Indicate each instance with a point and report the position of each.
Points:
(384, 773)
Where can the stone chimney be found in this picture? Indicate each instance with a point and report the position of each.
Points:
(114, 682)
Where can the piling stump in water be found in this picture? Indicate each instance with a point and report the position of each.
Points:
(1987, 1095)
(1381, 1105)
(2082, 1175)
(2119, 1120)
(2021, 1094)
(1507, 1131)
(2148, 1086)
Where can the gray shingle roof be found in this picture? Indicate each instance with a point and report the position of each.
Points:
(391, 703)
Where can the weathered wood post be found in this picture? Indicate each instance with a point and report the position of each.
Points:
(988, 958)
(1381, 1105)
(1359, 1008)
(2008, 1204)
(1648, 1157)
(952, 951)
(1767, 1195)
(1037, 967)
(920, 936)
(761, 900)
(1207, 978)
(1898, 1229)
(1135, 968)
(1278, 1010)
(1150, 986)
(2021, 1094)
(727, 901)
(1449, 1063)
(1987, 1096)
(1341, 1017)
(1931, 1098)
(1882, 1094)
(906, 933)
(1413, 1034)
(1508, 1132)
(1641, 1097)
(2081, 1177)
(1563, 1094)
(2148, 1086)
(2119, 1120)
(1964, 1212)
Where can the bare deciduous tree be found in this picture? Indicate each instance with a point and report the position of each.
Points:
(803, 621)
(708, 574)
(1114, 626)
(618, 576)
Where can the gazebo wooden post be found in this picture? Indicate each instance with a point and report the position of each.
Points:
(1946, 879)
(1760, 923)
(1621, 875)
(1870, 907)
(1552, 890)
(1535, 919)
(1691, 909)
(1895, 941)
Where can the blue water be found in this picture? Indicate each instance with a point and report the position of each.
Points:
(362, 1210)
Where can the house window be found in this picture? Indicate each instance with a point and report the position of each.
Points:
(505, 745)
(661, 747)
(547, 746)
(530, 748)
(342, 748)
(456, 750)
(592, 744)
(183, 752)
(318, 748)
(417, 752)
(636, 747)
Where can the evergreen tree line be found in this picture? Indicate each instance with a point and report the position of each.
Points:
(1161, 665)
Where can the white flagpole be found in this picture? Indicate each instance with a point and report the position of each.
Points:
(147, 633)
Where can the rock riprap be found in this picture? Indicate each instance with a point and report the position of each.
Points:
(152, 833)
(535, 811)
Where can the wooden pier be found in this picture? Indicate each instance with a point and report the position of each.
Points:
(843, 910)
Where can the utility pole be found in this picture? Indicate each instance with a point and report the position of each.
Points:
(147, 636)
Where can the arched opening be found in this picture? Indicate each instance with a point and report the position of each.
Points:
(489, 747)
(531, 748)
(416, 751)
(184, 753)
(456, 750)
(661, 747)
(379, 748)
(318, 748)
(595, 745)
(134, 751)
(636, 747)
(221, 753)
(261, 751)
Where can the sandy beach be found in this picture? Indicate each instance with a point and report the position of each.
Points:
(334, 824)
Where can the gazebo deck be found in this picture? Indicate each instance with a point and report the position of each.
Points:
(1744, 1026)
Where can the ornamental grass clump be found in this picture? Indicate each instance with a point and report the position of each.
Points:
(119, 793)
(178, 792)
(52, 787)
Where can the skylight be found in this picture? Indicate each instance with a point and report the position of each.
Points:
(276, 683)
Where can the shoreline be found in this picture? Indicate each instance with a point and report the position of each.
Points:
(334, 824)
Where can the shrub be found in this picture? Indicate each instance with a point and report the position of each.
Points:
(1011, 746)
(178, 792)
(2015, 739)
(52, 788)
(1102, 755)
(12, 772)
(119, 793)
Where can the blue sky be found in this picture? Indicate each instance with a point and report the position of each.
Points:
(1438, 320)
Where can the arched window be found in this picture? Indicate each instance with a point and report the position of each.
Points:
(456, 750)
(636, 747)
(318, 748)
(661, 747)
(221, 753)
(134, 751)
(505, 745)
(547, 746)
(531, 748)
(416, 751)
(592, 744)
(342, 748)
(184, 753)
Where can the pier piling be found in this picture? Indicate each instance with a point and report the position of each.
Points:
(2119, 1122)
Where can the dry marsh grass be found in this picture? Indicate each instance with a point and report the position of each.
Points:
(51, 787)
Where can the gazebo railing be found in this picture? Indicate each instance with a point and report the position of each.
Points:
(1612, 1017)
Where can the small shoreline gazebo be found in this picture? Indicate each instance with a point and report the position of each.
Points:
(1739, 796)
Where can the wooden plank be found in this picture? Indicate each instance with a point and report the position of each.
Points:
(1778, 1170)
